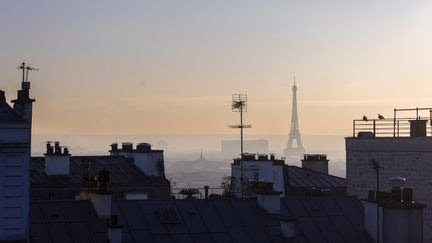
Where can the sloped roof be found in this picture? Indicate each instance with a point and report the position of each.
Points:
(7, 114)
(65, 221)
(305, 178)
(335, 219)
(319, 219)
(123, 174)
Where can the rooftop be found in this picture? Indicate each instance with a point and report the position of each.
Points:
(302, 180)
(124, 175)
(7, 114)
(413, 122)
(329, 219)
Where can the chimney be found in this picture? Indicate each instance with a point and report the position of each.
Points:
(267, 198)
(418, 128)
(143, 147)
(114, 147)
(57, 162)
(316, 162)
(101, 199)
(101, 202)
(149, 161)
(23, 104)
(394, 215)
(114, 230)
(288, 225)
(127, 147)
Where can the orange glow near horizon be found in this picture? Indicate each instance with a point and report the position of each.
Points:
(153, 68)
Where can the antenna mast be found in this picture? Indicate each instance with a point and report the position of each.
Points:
(25, 70)
(239, 104)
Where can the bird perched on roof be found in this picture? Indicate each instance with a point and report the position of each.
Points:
(365, 118)
(381, 117)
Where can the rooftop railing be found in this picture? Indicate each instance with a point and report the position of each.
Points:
(199, 192)
(418, 125)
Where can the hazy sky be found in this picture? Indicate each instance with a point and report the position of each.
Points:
(113, 67)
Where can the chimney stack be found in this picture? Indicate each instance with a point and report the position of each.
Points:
(57, 162)
(114, 147)
(418, 128)
(101, 202)
(316, 162)
(115, 230)
(101, 199)
(147, 160)
(394, 213)
(267, 198)
(288, 225)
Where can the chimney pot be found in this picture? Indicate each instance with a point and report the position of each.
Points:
(143, 147)
(114, 147)
(398, 222)
(57, 148)
(127, 147)
(407, 195)
(57, 163)
(49, 148)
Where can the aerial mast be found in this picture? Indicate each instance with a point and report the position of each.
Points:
(25, 70)
(239, 104)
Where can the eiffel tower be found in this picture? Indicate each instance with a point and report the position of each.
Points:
(294, 135)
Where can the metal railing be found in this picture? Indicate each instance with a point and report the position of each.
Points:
(178, 194)
(396, 126)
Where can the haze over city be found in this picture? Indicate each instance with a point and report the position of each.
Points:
(215, 121)
(145, 67)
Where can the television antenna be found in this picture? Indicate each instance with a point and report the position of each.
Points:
(25, 70)
(239, 104)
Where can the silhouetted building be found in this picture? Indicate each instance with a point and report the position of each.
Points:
(398, 219)
(60, 176)
(293, 219)
(310, 179)
(15, 142)
(386, 148)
